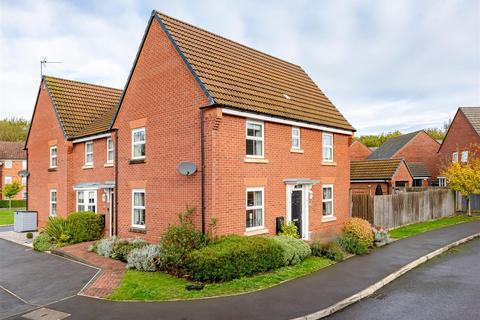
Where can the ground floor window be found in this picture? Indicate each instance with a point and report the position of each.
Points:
(24, 195)
(327, 196)
(138, 208)
(87, 200)
(442, 182)
(255, 208)
(417, 182)
(53, 202)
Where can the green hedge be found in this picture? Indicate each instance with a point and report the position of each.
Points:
(15, 203)
(84, 226)
(234, 257)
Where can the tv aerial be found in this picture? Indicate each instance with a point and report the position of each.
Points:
(43, 64)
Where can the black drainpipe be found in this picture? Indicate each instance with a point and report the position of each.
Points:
(202, 146)
(116, 162)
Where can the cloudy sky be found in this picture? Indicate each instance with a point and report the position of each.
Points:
(386, 65)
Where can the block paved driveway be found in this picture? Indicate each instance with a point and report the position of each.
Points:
(29, 279)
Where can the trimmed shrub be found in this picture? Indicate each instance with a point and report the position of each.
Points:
(29, 235)
(15, 204)
(144, 258)
(104, 247)
(56, 228)
(124, 246)
(360, 229)
(352, 244)
(178, 241)
(84, 226)
(42, 242)
(330, 250)
(289, 230)
(234, 257)
(294, 250)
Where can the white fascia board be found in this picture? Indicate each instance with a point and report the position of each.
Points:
(353, 181)
(255, 116)
(89, 138)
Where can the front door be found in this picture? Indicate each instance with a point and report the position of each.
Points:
(297, 204)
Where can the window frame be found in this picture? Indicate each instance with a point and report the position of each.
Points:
(464, 154)
(255, 189)
(24, 164)
(51, 166)
(112, 150)
(24, 181)
(262, 138)
(9, 178)
(144, 207)
(10, 164)
(296, 137)
(455, 157)
(442, 182)
(51, 202)
(85, 203)
(324, 134)
(86, 163)
(325, 186)
(144, 142)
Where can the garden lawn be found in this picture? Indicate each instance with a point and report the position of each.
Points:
(6, 217)
(417, 228)
(137, 285)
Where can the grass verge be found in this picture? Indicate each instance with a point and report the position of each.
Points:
(6, 217)
(417, 228)
(159, 286)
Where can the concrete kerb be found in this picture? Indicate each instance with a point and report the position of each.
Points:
(378, 285)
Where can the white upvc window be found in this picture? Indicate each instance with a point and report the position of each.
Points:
(87, 200)
(296, 138)
(24, 164)
(455, 157)
(110, 153)
(138, 208)
(53, 202)
(327, 146)
(255, 208)
(89, 153)
(442, 182)
(254, 139)
(53, 156)
(8, 180)
(8, 164)
(24, 195)
(464, 157)
(138, 143)
(327, 198)
(24, 181)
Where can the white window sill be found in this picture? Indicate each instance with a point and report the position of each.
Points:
(255, 232)
(328, 163)
(296, 150)
(255, 160)
(108, 165)
(89, 166)
(328, 219)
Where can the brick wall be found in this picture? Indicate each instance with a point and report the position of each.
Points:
(402, 174)
(358, 151)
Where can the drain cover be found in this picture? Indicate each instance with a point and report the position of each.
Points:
(45, 314)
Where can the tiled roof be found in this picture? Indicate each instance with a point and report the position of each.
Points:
(243, 78)
(418, 169)
(12, 150)
(473, 116)
(83, 108)
(381, 169)
(391, 146)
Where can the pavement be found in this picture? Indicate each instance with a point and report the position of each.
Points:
(446, 287)
(289, 300)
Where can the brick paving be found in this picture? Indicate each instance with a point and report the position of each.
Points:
(109, 278)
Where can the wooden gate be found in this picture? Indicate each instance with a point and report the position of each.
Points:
(362, 206)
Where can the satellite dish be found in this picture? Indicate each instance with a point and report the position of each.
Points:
(186, 168)
(23, 173)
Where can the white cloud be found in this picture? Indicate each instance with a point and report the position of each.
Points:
(386, 64)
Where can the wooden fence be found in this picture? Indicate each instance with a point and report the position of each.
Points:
(391, 211)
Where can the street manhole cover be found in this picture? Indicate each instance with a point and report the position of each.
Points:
(45, 314)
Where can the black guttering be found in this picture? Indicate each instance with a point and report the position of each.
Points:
(115, 161)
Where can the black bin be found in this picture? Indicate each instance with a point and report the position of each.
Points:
(279, 221)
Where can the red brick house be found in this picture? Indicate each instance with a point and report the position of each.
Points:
(359, 151)
(417, 148)
(379, 176)
(13, 159)
(262, 140)
(463, 133)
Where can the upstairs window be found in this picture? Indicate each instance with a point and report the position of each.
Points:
(53, 202)
(53, 156)
(138, 208)
(138, 143)
(110, 150)
(455, 157)
(254, 139)
(327, 146)
(296, 138)
(89, 153)
(464, 158)
(255, 209)
(8, 164)
(327, 207)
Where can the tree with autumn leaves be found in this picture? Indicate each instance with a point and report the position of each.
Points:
(464, 177)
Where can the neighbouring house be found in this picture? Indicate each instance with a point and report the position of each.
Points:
(13, 159)
(359, 151)
(420, 174)
(70, 149)
(414, 147)
(379, 176)
(242, 137)
(463, 134)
